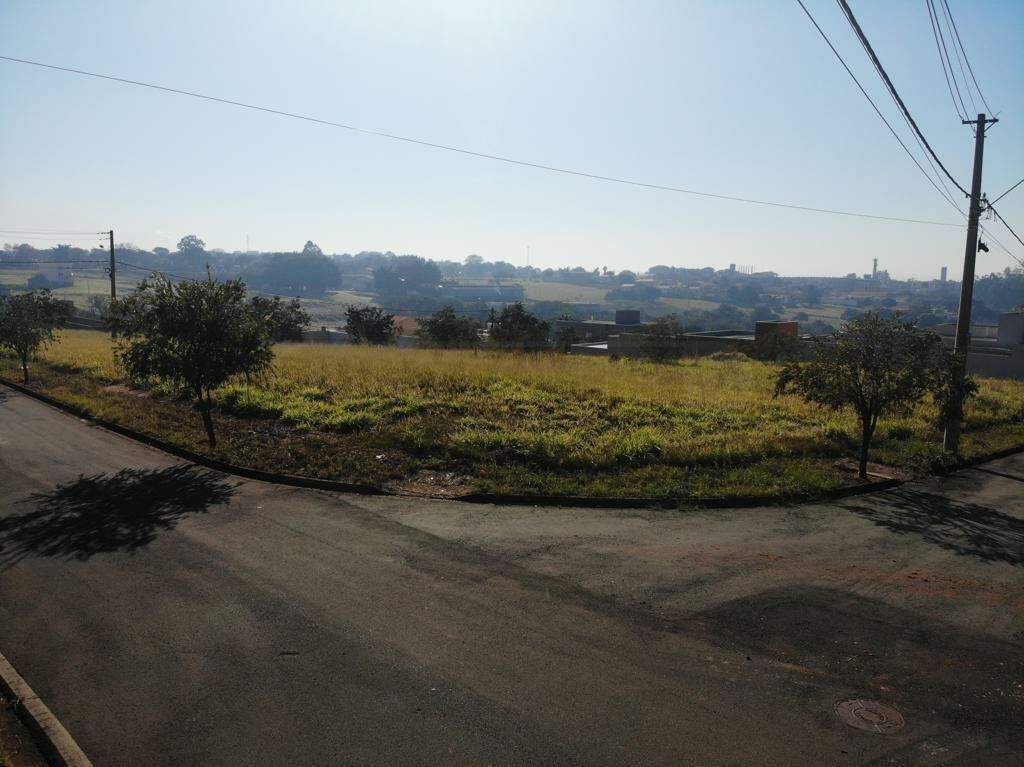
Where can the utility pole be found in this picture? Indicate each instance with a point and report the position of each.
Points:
(113, 270)
(113, 280)
(951, 439)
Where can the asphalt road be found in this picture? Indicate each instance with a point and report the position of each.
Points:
(170, 616)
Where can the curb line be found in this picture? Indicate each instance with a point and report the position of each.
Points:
(197, 458)
(53, 740)
(510, 499)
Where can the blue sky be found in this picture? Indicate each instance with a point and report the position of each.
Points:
(739, 98)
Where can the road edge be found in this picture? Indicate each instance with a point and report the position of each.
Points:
(52, 739)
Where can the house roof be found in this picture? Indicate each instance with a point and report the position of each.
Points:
(406, 326)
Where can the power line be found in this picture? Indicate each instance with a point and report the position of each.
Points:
(967, 60)
(959, 59)
(72, 261)
(482, 155)
(892, 89)
(1005, 249)
(158, 271)
(1008, 227)
(948, 197)
(877, 110)
(942, 59)
(997, 199)
(945, 50)
(44, 231)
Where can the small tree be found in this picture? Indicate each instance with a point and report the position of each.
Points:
(950, 386)
(516, 328)
(28, 322)
(196, 334)
(876, 365)
(447, 330)
(100, 306)
(370, 325)
(662, 339)
(284, 321)
(566, 336)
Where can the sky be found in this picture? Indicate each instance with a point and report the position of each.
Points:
(729, 97)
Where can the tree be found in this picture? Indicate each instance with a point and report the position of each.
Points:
(516, 328)
(299, 273)
(100, 306)
(369, 325)
(197, 334)
(447, 330)
(951, 387)
(311, 249)
(28, 322)
(191, 252)
(662, 339)
(190, 244)
(566, 335)
(878, 366)
(284, 321)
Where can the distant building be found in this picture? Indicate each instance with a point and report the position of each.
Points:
(995, 350)
(700, 344)
(626, 320)
(942, 274)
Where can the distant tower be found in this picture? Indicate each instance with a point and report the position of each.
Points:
(732, 267)
(942, 274)
(874, 268)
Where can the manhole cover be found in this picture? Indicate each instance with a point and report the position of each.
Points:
(870, 715)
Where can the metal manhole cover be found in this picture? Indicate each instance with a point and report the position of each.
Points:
(870, 715)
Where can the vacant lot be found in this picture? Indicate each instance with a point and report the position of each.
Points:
(454, 421)
(563, 291)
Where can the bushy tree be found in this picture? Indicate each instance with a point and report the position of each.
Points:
(28, 323)
(370, 325)
(516, 328)
(877, 366)
(100, 306)
(196, 334)
(447, 330)
(566, 336)
(299, 273)
(662, 339)
(284, 321)
(190, 244)
(406, 274)
(950, 386)
(191, 253)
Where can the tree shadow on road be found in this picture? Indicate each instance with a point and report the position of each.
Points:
(966, 528)
(109, 512)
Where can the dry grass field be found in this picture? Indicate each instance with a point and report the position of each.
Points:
(562, 291)
(452, 421)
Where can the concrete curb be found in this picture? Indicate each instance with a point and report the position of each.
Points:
(510, 499)
(53, 740)
(711, 502)
(197, 458)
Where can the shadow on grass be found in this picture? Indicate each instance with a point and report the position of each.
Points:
(965, 528)
(109, 512)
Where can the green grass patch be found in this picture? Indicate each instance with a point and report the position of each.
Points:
(524, 423)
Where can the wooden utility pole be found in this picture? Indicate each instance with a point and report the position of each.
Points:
(951, 439)
(113, 270)
(113, 280)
